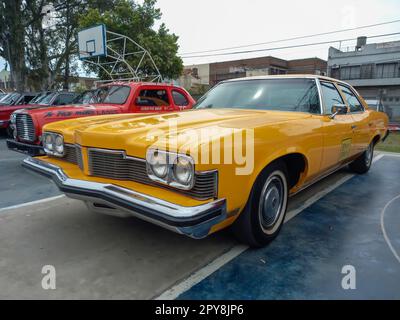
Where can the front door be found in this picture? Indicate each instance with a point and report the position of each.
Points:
(338, 131)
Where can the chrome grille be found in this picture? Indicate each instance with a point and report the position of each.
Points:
(25, 127)
(70, 154)
(115, 165)
(79, 157)
(73, 154)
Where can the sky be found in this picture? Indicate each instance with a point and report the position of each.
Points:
(214, 24)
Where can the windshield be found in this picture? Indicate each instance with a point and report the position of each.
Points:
(39, 98)
(48, 98)
(10, 98)
(113, 94)
(299, 95)
(85, 98)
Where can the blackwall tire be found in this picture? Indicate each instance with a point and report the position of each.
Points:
(363, 163)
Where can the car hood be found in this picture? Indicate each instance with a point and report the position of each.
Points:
(19, 107)
(135, 133)
(63, 112)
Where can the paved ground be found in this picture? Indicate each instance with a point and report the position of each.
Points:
(17, 186)
(98, 256)
(306, 260)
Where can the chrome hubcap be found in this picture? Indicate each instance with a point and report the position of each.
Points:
(271, 202)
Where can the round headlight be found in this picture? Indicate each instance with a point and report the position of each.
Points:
(183, 170)
(13, 118)
(48, 142)
(59, 144)
(159, 164)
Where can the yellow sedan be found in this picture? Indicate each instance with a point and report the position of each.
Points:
(235, 160)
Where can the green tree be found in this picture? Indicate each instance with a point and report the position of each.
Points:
(137, 21)
(12, 39)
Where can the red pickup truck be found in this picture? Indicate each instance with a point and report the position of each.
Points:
(113, 98)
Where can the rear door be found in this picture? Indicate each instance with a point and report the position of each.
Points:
(361, 126)
(338, 132)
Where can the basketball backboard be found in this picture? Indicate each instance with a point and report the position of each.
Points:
(92, 42)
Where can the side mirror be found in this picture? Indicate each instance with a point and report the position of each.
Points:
(338, 109)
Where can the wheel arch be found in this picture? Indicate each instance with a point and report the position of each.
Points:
(376, 139)
(296, 164)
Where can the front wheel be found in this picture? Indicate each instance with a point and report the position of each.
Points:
(363, 163)
(263, 217)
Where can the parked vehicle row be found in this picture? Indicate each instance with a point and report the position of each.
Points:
(114, 98)
(232, 161)
(16, 100)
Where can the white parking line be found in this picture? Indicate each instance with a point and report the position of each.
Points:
(27, 204)
(389, 243)
(176, 290)
(387, 153)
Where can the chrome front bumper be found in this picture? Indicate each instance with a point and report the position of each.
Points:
(195, 222)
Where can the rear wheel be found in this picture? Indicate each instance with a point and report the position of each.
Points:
(263, 217)
(363, 163)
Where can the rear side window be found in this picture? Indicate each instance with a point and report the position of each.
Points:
(179, 98)
(354, 104)
(330, 96)
(153, 98)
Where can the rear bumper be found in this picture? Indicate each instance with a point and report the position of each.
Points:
(195, 222)
(30, 149)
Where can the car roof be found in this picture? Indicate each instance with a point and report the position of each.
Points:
(137, 84)
(287, 76)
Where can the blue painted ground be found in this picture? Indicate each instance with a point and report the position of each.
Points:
(306, 260)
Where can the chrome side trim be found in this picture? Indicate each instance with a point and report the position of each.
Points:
(323, 176)
(193, 221)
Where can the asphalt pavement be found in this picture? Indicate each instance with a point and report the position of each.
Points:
(96, 256)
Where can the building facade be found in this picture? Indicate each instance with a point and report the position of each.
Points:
(373, 69)
(220, 71)
(197, 77)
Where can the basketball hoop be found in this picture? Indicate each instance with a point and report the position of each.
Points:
(97, 46)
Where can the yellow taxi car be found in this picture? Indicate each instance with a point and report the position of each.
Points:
(235, 160)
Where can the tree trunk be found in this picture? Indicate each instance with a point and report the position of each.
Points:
(15, 43)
